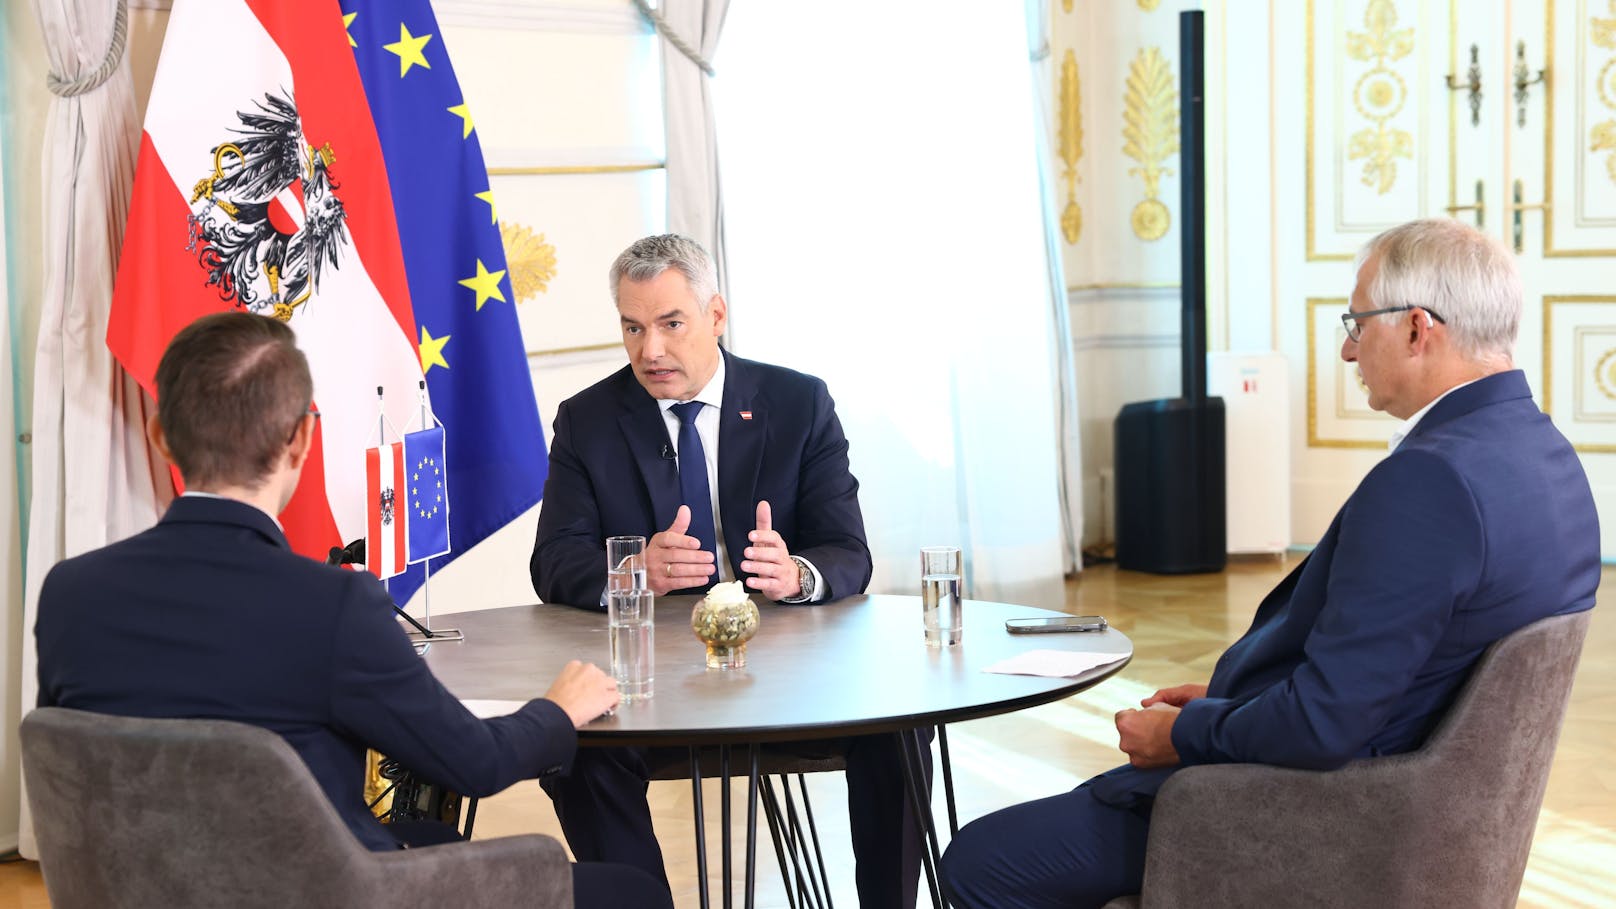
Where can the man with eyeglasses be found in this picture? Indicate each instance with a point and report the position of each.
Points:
(211, 615)
(1479, 522)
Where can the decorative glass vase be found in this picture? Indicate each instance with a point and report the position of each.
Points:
(725, 624)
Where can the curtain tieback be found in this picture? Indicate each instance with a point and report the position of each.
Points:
(68, 88)
(672, 37)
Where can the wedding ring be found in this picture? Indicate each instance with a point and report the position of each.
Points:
(669, 566)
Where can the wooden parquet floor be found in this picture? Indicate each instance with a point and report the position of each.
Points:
(1179, 626)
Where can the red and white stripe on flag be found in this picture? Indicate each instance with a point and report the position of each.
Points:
(385, 512)
(213, 203)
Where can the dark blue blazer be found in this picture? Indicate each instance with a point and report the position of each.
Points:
(608, 478)
(211, 615)
(1480, 523)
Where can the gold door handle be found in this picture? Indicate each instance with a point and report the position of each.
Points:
(1480, 208)
(1523, 80)
(1471, 85)
(1516, 207)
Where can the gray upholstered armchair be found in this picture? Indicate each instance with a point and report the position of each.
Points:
(1449, 825)
(189, 813)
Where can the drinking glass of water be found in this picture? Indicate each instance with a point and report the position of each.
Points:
(631, 625)
(940, 595)
(625, 563)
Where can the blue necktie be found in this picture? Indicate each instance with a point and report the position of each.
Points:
(693, 488)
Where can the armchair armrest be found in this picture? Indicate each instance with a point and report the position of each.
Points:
(1252, 835)
(527, 870)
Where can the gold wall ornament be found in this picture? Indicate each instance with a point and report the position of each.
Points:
(1602, 32)
(1066, 5)
(1379, 95)
(1602, 137)
(1605, 374)
(1149, 5)
(1150, 136)
(1071, 145)
(532, 262)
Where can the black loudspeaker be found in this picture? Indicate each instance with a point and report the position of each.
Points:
(1170, 486)
(1171, 513)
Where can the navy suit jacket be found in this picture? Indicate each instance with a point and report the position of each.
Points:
(608, 478)
(1480, 523)
(211, 615)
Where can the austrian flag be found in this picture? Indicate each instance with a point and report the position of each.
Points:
(315, 161)
(385, 525)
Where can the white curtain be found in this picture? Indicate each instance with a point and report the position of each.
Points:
(94, 479)
(1070, 452)
(10, 520)
(690, 30)
(886, 233)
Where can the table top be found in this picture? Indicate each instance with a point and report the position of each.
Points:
(854, 666)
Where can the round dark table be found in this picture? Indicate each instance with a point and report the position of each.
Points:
(855, 666)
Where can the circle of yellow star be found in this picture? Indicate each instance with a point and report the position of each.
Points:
(408, 48)
(432, 351)
(486, 284)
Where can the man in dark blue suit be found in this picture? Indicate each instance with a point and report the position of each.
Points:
(733, 469)
(1479, 522)
(211, 615)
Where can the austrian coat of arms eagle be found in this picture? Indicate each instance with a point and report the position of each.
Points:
(268, 220)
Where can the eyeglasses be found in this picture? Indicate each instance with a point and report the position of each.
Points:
(1350, 320)
(311, 412)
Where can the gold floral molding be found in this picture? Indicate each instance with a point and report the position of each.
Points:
(1602, 137)
(1071, 145)
(532, 262)
(1379, 95)
(1150, 136)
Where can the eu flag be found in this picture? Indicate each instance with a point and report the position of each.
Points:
(426, 494)
(470, 342)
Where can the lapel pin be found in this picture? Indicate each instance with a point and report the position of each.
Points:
(746, 415)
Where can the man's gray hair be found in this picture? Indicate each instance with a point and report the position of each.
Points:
(1459, 273)
(649, 257)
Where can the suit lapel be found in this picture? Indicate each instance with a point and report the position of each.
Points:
(646, 435)
(740, 456)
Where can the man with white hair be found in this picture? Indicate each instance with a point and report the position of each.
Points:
(1478, 523)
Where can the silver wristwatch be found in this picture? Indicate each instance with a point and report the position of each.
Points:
(807, 588)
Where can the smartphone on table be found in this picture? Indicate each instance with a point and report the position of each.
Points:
(1054, 624)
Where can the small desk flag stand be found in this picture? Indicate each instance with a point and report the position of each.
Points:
(424, 450)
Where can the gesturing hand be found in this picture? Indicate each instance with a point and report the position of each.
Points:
(1147, 736)
(583, 691)
(674, 561)
(774, 574)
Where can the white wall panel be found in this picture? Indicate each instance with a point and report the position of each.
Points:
(545, 94)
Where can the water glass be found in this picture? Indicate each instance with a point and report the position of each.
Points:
(625, 563)
(940, 595)
(631, 625)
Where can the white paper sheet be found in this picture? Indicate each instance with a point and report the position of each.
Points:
(1055, 664)
(488, 709)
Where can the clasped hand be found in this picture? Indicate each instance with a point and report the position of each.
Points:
(1146, 736)
(674, 560)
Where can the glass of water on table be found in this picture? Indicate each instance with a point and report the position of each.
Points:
(940, 595)
(630, 608)
(631, 625)
(625, 563)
